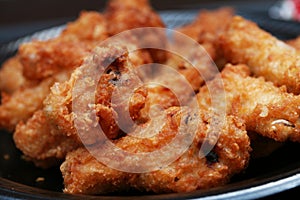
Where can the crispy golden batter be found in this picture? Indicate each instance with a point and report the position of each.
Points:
(42, 59)
(25, 101)
(58, 105)
(49, 62)
(84, 174)
(244, 42)
(42, 142)
(266, 109)
(140, 12)
(206, 27)
(195, 74)
(52, 81)
(294, 43)
(57, 126)
(11, 75)
(141, 15)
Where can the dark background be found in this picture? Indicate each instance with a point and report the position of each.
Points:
(22, 17)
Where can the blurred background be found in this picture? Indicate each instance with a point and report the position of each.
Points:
(19, 18)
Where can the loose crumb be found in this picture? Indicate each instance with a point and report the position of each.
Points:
(6, 157)
(40, 179)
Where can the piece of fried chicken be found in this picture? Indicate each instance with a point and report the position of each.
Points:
(46, 62)
(84, 174)
(42, 143)
(42, 59)
(58, 105)
(266, 109)
(244, 42)
(11, 75)
(21, 105)
(206, 27)
(141, 15)
(53, 125)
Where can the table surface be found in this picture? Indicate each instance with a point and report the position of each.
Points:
(19, 18)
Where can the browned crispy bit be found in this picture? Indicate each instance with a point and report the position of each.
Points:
(116, 75)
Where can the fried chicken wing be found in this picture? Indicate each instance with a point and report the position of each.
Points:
(44, 63)
(54, 126)
(25, 101)
(244, 42)
(41, 141)
(266, 109)
(206, 27)
(140, 12)
(42, 59)
(58, 105)
(141, 15)
(11, 75)
(203, 69)
(84, 174)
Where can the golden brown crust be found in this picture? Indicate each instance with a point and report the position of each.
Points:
(140, 12)
(83, 174)
(42, 59)
(11, 75)
(25, 101)
(244, 42)
(206, 27)
(41, 141)
(266, 109)
(141, 15)
(58, 104)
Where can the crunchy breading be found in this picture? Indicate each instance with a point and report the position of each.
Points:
(244, 42)
(25, 101)
(41, 142)
(84, 174)
(141, 15)
(58, 104)
(140, 12)
(42, 59)
(266, 109)
(206, 28)
(13, 69)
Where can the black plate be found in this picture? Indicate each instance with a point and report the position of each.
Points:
(264, 176)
